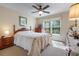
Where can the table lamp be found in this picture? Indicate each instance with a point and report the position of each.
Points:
(6, 33)
(74, 13)
(74, 16)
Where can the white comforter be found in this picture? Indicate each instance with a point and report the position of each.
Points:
(31, 41)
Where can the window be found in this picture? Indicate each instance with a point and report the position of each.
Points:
(52, 26)
(47, 26)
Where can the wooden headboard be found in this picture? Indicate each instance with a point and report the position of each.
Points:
(13, 29)
(18, 30)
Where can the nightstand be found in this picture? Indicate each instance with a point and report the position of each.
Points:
(6, 42)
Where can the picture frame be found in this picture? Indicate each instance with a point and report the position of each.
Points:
(22, 21)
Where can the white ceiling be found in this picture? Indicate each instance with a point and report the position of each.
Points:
(27, 8)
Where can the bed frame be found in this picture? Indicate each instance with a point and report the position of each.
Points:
(18, 30)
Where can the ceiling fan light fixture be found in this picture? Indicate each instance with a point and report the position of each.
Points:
(40, 9)
(40, 12)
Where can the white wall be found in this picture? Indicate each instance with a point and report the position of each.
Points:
(10, 17)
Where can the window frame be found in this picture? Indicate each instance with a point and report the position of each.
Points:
(50, 20)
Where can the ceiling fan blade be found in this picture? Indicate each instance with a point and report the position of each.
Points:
(35, 7)
(34, 11)
(46, 7)
(46, 12)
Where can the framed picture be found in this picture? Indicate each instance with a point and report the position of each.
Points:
(22, 21)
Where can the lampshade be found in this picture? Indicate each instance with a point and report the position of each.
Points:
(74, 12)
(6, 32)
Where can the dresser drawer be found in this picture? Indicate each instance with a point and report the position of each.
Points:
(1, 45)
(8, 41)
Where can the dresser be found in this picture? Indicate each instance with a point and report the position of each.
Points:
(6, 42)
(38, 28)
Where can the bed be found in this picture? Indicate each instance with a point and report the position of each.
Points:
(31, 41)
(37, 44)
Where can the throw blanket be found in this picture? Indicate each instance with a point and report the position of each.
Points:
(38, 45)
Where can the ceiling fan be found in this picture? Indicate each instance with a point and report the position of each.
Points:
(40, 9)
